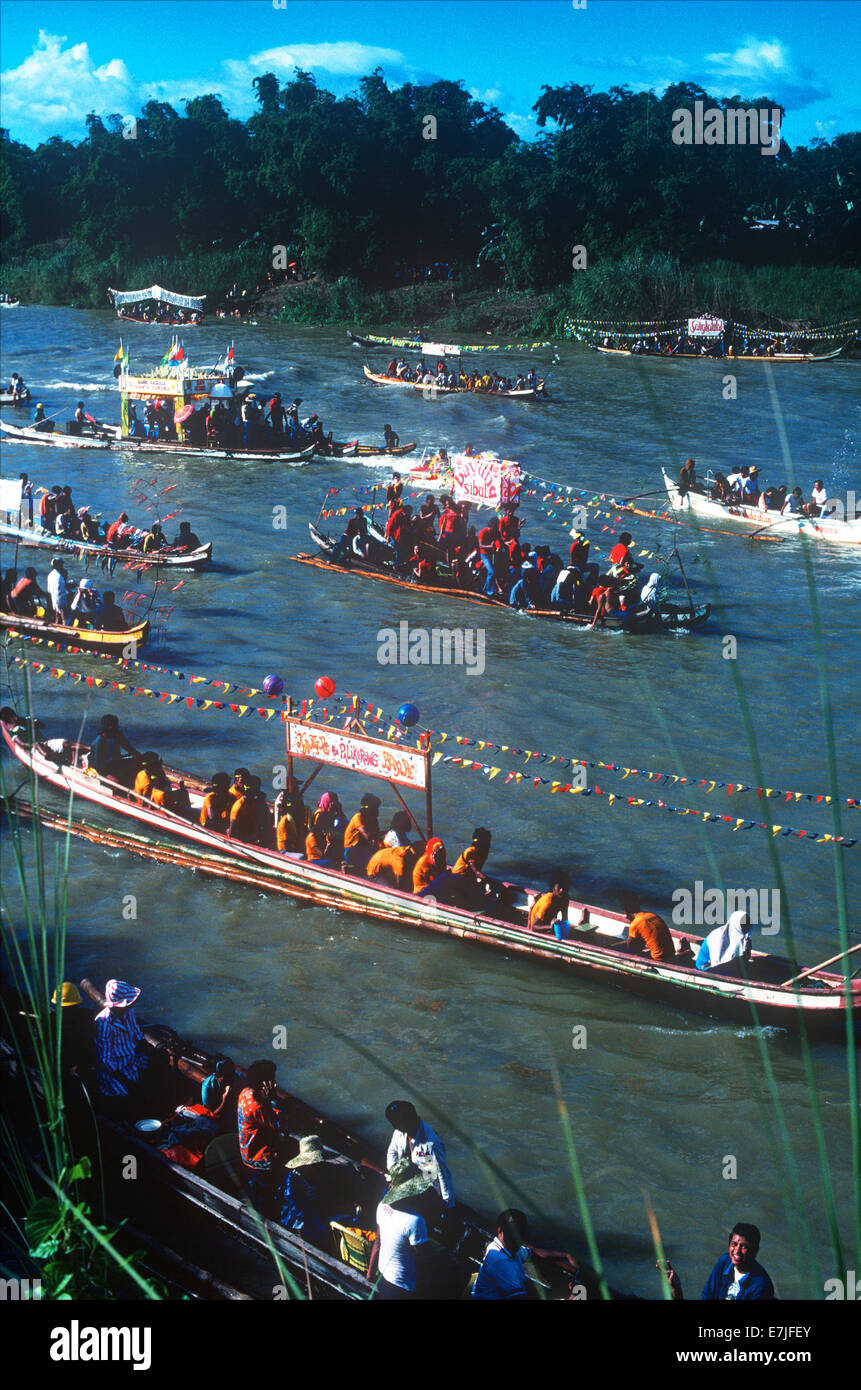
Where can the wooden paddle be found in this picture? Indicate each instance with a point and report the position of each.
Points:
(821, 966)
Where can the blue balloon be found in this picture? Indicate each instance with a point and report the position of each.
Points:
(273, 685)
(408, 715)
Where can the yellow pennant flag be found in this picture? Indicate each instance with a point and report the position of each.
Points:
(436, 758)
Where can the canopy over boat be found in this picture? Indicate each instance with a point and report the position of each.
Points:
(180, 301)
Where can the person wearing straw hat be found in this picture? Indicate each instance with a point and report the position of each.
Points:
(310, 1195)
(402, 1232)
(119, 1042)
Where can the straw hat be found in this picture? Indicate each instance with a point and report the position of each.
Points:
(407, 1180)
(310, 1151)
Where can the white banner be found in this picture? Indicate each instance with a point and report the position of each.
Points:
(485, 480)
(356, 753)
(706, 327)
(440, 350)
(10, 494)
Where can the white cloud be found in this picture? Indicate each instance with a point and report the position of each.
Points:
(343, 59)
(55, 87)
(756, 58)
(488, 95)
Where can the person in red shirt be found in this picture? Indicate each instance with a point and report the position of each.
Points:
(510, 524)
(449, 525)
(621, 557)
(259, 1130)
(115, 530)
(25, 593)
(604, 599)
(399, 531)
(488, 544)
(424, 570)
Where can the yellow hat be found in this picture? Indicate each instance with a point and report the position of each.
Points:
(69, 994)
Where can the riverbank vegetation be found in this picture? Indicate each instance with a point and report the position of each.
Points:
(394, 198)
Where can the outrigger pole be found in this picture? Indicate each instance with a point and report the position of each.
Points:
(352, 750)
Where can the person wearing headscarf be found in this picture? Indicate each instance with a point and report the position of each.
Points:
(726, 946)
(119, 1043)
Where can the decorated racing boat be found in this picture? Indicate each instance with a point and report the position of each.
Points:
(113, 439)
(153, 300)
(86, 638)
(765, 524)
(592, 944)
(192, 1193)
(380, 565)
(431, 390)
(718, 357)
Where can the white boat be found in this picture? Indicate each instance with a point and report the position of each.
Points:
(754, 518)
(10, 303)
(37, 538)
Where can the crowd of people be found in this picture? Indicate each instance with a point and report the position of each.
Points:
(59, 516)
(240, 422)
(439, 545)
(456, 379)
(741, 486)
(62, 601)
(400, 1216)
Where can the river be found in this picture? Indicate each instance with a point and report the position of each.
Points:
(658, 1100)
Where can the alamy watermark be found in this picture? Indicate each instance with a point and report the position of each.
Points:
(435, 646)
(730, 125)
(711, 907)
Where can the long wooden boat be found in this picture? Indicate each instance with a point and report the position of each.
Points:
(160, 323)
(775, 992)
(6, 397)
(771, 524)
(56, 440)
(88, 639)
(210, 1202)
(35, 537)
(372, 451)
(668, 617)
(709, 357)
(539, 394)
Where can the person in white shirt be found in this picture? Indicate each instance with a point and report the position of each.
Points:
(402, 1232)
(818, 498)
(734, 481)
(413, 1138)
(502, 1274)
(58, 591)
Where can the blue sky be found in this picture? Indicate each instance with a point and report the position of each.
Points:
(60, 60)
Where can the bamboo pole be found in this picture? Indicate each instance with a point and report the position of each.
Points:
(841, 955)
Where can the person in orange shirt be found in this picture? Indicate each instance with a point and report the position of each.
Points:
(394, 865)
(362, 836)
(217, 804)
(648, 932)
(323, 839)
(547, 908)
(150, 764)
(289, 821)
(249, 819)
(240, 778)
(471, 887)
(429, 866)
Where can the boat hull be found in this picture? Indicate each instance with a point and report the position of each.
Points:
(87, 639)
(725, 360)
(143, 446)
(595, 955)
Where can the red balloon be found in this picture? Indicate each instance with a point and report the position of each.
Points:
(324, 686)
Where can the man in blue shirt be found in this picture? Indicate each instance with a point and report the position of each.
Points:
(737, 1275)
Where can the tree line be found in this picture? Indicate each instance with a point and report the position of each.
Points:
(367, 186)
